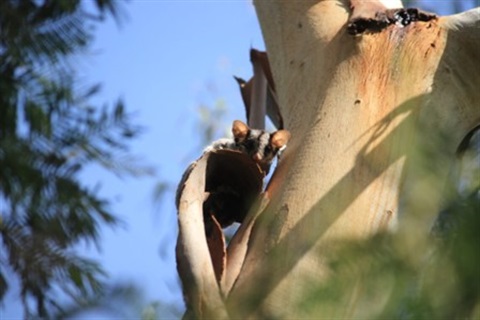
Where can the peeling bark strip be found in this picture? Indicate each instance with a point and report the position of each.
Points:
(194, 266)
(218, 189)
(257, 104)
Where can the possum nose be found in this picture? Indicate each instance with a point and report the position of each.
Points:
(257, 157)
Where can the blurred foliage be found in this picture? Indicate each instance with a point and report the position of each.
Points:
(410, 273)
(119, 301)
(211, 121)
(49, 133)
(383, 278)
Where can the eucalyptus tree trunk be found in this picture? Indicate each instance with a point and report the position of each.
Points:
(377, 106)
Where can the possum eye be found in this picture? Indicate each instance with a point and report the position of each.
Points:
(268, 149)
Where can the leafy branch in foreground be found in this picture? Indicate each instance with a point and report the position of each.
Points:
(49, 132)
(399, 276)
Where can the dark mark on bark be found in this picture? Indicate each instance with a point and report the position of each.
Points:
(399, 17)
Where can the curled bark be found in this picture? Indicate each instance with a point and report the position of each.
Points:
(216, 191)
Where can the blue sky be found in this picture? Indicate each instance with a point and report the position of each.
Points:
(165, 60)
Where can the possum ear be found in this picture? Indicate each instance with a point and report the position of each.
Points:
(239, 130)
(280, 138)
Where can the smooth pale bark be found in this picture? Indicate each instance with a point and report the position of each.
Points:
(362, 111)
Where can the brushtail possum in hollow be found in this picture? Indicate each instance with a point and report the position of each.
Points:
(261, 146)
